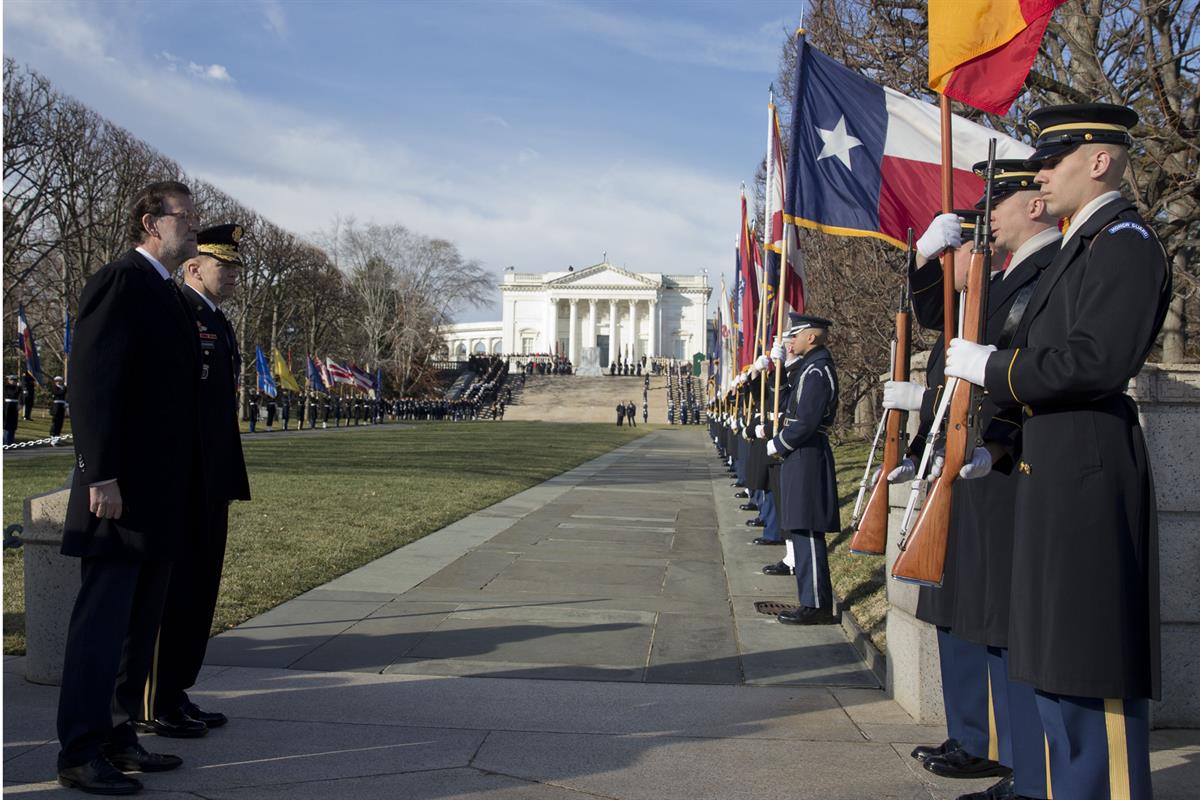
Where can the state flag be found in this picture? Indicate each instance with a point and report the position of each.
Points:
(338, 373)
(318, 379)
(266, 383)
(866, 160)
(283, 375)
(28, 347)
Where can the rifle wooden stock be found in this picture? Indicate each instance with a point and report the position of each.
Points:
(923, 558)
(871, 536)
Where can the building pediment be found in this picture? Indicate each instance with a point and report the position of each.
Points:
(603, 275)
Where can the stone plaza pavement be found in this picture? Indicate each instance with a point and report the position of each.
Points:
(592, 637)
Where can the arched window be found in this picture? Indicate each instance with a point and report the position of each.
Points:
(461, 350)
(480, 348)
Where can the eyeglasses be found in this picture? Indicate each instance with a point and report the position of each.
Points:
(190, 217)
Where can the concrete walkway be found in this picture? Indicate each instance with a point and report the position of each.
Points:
(594, 636)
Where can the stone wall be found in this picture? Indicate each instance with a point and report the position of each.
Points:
(1168, 398)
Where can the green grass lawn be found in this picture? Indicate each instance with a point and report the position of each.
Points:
(325, 504)
(29, 430)
(857, 579)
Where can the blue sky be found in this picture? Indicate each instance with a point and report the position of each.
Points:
(536, 134)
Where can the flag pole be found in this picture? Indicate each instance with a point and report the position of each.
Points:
(948, 294)
(768, 227)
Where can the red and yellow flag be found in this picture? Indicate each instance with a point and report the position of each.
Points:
(980, 51)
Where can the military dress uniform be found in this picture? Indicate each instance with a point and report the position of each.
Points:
(12, 408)
(808, 501)
(58, 408)
(196, 577)
(1084, 621)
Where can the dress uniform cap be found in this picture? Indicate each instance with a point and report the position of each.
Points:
(1012, 175)
(1060, 129)
(58, 378)
(799, 322)
(221, 242)
(968, 219)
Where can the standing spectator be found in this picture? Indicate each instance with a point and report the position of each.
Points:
(620, 414)
(631, 413)
(12, 408)
(136, 487)
(58, 409)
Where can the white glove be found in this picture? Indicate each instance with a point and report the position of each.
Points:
(734, 425)
(935, 469)
(762, 363)
(979, 465)
(945, 231)
(874, 479)
(760, 432)
(968, 360)
(771, 448)
(903, 395)
(903, 473)
(777, 353)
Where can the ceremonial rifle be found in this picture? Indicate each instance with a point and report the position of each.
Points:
(870, 531)
(922, 556)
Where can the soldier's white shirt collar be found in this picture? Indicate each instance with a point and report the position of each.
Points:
(1031, 246)
(1084, 213)
(211, 305)
(166, 276)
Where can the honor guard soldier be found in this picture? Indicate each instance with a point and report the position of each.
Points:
(12, 408)
(1084, 627)
(285, 407)
(272, 405)
(253, 415)
(58, 408)
(209, 278)
(808, 502)
(30, 392)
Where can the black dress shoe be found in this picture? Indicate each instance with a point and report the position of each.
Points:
(765, 541)
(748, 507)
(136, 758)
(806, 616)
(961, 764)
(738, 485)
(924, 751)
(98, 777)
(755, 523)
(778, 568)
(1002, 790)
(743, 494)
(174, 725)
(211, 719)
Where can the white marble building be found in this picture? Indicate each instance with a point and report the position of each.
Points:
(566, 312)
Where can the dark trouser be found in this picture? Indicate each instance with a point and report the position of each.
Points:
(110, 643)
(1021, 742)
(56, 418)
(812, 570)
(766, 512)
(965, 692)
(1098, 749)
(188, 613)
(270, 416)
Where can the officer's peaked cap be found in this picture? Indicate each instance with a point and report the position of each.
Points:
(1060, 129)
(799, 322)
(221, 242)
(1011, 175)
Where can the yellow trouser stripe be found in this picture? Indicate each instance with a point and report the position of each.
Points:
(151, 681)
(1049, 790)
(1118, 749)
(993, 739)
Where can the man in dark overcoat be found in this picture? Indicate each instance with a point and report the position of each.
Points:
(135, 488)
(808, 502)
(1083, 627)
(209, 278)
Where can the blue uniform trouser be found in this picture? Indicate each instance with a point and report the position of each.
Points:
(766, 512)
(739, 463)
(812, 569)
(1021, 743)
(1097, 749)
(965, 694)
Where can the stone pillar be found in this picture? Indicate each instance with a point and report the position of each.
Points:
(652, 340)
(593, 322)
(614, 337)
(572, 341)
(51, 584)
(551, 328)
(634, 339)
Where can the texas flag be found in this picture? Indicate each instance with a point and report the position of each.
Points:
(867, 160)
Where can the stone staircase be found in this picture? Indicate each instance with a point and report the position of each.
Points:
(573, 398)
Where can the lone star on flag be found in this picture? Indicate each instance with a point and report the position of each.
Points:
(838, 142)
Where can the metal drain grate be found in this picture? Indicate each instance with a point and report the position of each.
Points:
(773, 608)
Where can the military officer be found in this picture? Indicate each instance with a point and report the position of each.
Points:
(808, 480)
(272, 406)
(209, 278)
(285, 408)
(58, 408)
(253, 415)
(30, 392)
(1083, 626)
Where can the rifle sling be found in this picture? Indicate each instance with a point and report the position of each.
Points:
(1015, 312)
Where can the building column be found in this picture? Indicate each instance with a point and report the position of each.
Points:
(590, 339)
(572, 340)
(614, 338)
(634, 339)
(549, 333)
(653, 338)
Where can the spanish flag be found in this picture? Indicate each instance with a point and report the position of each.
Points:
(980, 51)
(283, 375)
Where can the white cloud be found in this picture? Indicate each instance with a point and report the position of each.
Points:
(273, 18)
(533, 208)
